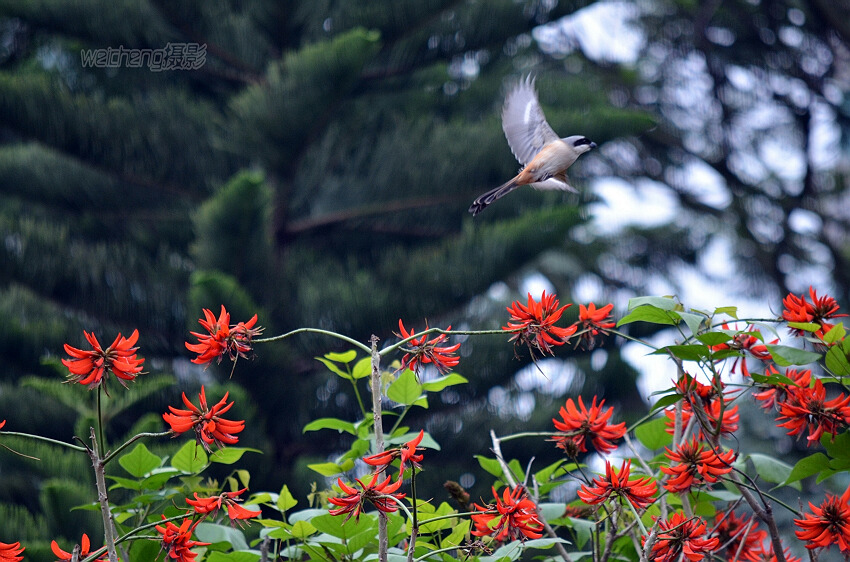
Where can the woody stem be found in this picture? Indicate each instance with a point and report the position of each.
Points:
(383, 540)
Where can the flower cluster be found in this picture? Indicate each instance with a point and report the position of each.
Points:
(639, 492)
(207, 422)
(748, 343)
(739, 537)
(818, 311)
(211, 506)
(827, 524)
(533, 324)
(695, 463)
(177, 541)
(423, 351)
(511, 517)
(85, 548)
(407, 453)
(580, 425)
(680, 537)
(11, 552)
(89, 367)
(714, 416)
(223, 338)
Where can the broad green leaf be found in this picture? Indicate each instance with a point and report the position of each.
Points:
(244, 477)
(330, 423)
(285, 499)
(458, 534)
(772, 378)
(771, 469)
(230, 455)
(694, 321)
(546, 542)
(691, 352)
(805, 326)
(785, 356)
(139, 461)
(158, 477)
(837, 447)
(344, 357)
(212, 533)
(728, 311)
(836, 360)
(302, 529)
(808, 466)
(405, 389)
(190, 459)
(362, 368)
(332, 468)
(664, 303)
(653, 434)
(440, 383)
(490, 465)
(121, 482)
(583, 529)
(337, 526)
(241, 556)
(333, 368)
(651, 314)
(544, 474)
(714, 338)
(442, 509)
(836, 334)
(665, 401)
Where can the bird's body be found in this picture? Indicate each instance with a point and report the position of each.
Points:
(543, 154)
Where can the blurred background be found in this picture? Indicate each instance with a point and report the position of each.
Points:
(312, 161)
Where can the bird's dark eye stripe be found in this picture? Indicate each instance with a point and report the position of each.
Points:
(581, 141)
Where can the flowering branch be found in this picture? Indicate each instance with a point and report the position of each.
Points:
(383, 539)
(103, 498)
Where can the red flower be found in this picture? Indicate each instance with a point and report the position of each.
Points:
(535, 324)
(515, 517)
(798, 309)
(680, 536)
(828, 524)
(424, 351)
(85, 547)
(728, 417)
(223, 338)
(766, 554)
(178, 540)
(11, 552)
(407, 453)
(695, 463)
(733, 531)
(207, 422)
(745, 342)
(88, 367)
(2, 423)
(773, 394)
(593, 322)
(211, 505)
(352, 504)
(580, 424)
(639, 491)
(807, 408)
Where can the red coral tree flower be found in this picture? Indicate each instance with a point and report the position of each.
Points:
(807, 408)
(89, 367)
(766, 554)
(375, 492)
(85, 547)
(772, 395)
(424, 351)
(580, 424)
(207, 422)
(747, 344)
(828, 524)
(511, 517)
(682, 537)
(211, 505)
(594, 322)
(695, 464)
(820, 309)
(740, 536)
(222, 338)
(639, 492)
(11, 552)
(177, 541)
(407, 453)
(534, 324)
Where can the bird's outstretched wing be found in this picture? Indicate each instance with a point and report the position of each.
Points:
(523, 121)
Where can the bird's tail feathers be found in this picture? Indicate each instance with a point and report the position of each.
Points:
(497, 192)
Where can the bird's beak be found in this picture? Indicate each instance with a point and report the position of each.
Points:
(592, 144)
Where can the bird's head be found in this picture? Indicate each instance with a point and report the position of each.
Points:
(580, 143)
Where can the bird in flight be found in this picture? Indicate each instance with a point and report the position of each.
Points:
(545, 157)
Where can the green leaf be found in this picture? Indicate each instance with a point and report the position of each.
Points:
(490, 465)
(332, 468)
(653, 434)
(212, 533)
(158, 477)
(836, 334)
(651, 314)
(664, 303)
(837, 447)
(344, 357)
(584, 530)
(127, 483)
(665, 401)
(337, 526)
(808, 466)
(714, 338)
(836, 360)
(362, 368)
(330, 423)
(785, 356)
(241, 556)
(285, 499)
(805, 326)
(547, 542)
(771, 469)
(690, 352)
(333, 368)
(727, 310)
(190, 459)
(302, 529)
(230, 455)
(139, 461)
(692, 320)
(405, 389)
(544, 474)
(440, 383)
